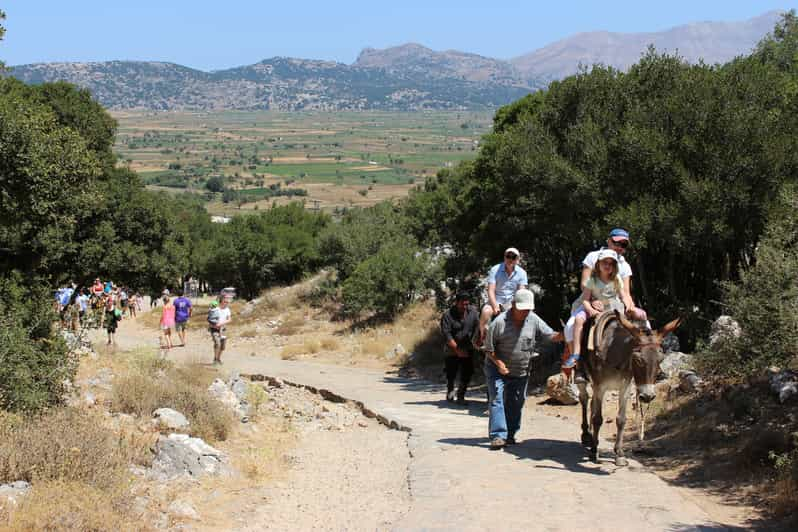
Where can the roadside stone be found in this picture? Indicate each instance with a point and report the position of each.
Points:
(670, 343)
(723, 329)
(675, 362)
(170, 419)
(183, 510)
(783, 383)
(89, 399)
(218, 389)
(689, 381)
(179, 455)
(561, 391)
(11, 493)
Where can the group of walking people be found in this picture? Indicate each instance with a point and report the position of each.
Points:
(507, 329)
(101, 304)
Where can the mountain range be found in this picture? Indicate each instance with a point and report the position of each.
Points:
(406, 77)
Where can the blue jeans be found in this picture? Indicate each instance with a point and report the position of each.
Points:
(507, 395)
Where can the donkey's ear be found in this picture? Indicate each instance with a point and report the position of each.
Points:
(670, 327)
(628, 325)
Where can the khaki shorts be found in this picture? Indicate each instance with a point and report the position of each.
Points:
(219, 339)
(181, 326)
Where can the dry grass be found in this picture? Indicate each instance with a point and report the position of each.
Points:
(67, 444)
(154, 383)
(248, 333)
(311, 346)
(291, 325)
(330, 343)
(80, 507)
(291, 352)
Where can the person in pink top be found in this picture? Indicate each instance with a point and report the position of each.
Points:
(167, 322)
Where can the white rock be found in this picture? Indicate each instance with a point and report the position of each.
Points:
(562, 391)
(724, 328)
(171, 419)
(182, 510)
(783, 383)
(219, 390)
(12, 492)
(675, 362)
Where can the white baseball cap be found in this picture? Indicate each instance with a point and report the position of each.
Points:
(524, 300)
(513, 250)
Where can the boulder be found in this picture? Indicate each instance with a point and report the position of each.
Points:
(12, 492)
(562, 391)
(179, 455)
(670, 343)
(170, 419)
(219, 390)
(675, 362)
(723, 329)
(783, 383)
(689, 381)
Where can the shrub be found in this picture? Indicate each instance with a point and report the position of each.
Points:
(183, 389)
(66, 444)
(34, 360)
(764, 301)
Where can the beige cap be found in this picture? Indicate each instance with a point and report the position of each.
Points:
(607, 254)
(524, 300)
(513, 250)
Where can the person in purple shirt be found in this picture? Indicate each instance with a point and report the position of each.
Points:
(182, 314)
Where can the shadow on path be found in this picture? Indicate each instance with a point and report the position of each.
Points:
(570, 455)
(474, 408)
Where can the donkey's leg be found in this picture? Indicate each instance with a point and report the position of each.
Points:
(620, 422)
(596, 419)
(584, 398)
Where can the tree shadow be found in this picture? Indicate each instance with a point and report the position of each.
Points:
(570, 456)
(472, 407)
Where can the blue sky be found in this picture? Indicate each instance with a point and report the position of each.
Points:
(214, 35)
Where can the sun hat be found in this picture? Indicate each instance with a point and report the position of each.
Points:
(607, 254)
(214, 304)
(524, 300)
(619, 234)
(512, 250)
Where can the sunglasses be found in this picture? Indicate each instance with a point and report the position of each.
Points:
(511, 256)
(623, 244)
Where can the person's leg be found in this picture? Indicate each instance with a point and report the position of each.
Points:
(576, 347)
(222, 346)
(484, 319)
(450, 365)
(183, 334)
(497, 422)
(514, 398)
(169, 337)
(217, 344)
(466, 371)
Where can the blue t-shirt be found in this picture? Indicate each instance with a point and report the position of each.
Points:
(506, 285)
(182, 308)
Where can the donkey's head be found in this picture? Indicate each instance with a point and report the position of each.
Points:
(646, 354)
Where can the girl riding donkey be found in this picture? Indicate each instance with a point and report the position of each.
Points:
(602, 291)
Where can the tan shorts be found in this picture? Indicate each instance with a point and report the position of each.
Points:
(181, 326)
(219, 339)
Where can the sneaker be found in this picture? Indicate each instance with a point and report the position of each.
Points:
(510, 440)
(571, 361)
(497, 443)
(450, 396)
(461, 400)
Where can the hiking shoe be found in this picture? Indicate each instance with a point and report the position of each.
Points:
(461, 400)
(510, 440)
(450, 396)
(571, 361)
(497, 443)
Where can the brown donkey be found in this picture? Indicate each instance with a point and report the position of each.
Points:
(626, 353)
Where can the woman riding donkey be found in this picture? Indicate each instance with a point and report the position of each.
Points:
(606, 277)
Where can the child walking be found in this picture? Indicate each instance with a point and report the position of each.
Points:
(167, 322)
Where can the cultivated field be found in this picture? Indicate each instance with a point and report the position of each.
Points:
(330, 160)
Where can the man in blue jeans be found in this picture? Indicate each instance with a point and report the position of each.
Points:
(510, 345)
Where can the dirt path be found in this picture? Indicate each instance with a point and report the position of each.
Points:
(455, 482)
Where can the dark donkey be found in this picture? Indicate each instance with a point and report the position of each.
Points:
(626, 353)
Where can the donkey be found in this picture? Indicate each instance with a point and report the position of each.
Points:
(625, 353)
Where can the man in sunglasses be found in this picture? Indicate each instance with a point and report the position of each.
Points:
(504, 280)
(618, 241)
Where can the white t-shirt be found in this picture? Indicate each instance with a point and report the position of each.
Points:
(224, 315)
(624, 270)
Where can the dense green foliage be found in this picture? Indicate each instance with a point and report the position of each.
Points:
(34, 363)
(689, 158)
(764, 302)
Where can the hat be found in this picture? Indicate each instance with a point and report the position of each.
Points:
(214, 304)
(619, 234)
(607, 254)
(524, 300)
(512, 250)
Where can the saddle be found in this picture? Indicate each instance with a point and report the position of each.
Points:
(597, 329)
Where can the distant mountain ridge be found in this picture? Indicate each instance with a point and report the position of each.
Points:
(406, 77)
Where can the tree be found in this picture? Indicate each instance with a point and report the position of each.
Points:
(215, 184)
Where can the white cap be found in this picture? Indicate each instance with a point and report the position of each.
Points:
(513, 250)
(607, 254)
(524, 300)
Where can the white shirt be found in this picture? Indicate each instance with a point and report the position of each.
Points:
(624, 270)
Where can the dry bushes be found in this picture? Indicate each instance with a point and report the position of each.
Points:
(67, 444)
(290, 352)
(330, 344)
(156, 384)
(80, 507)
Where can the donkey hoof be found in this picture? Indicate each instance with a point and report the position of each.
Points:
(594, 458)
(620, 461)
(587, 440)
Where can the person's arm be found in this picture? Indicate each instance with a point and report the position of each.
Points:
(586, 272)
(547, 332)
(587, 303)
(490, 349)
(523, 282)
(626, 294)
(492, 297)
(446, 331)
